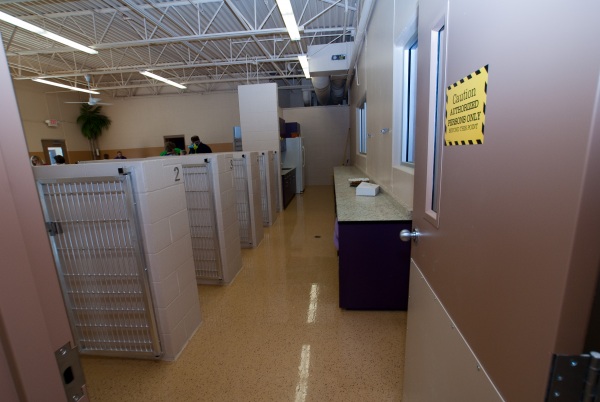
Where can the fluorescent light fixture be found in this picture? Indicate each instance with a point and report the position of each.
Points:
(158, 77)
(56, 84)
(285, 8)
(304, 63)
(40, 31)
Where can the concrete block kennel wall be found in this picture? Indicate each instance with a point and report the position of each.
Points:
(166, 240)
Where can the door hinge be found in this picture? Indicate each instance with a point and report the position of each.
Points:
(574, 378)
(53, 228)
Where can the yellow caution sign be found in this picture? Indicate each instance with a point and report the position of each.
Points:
(465, 109)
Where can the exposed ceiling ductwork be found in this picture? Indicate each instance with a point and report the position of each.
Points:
(332, 65)
(329, 90)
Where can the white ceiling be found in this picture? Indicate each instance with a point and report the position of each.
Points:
(208, 45)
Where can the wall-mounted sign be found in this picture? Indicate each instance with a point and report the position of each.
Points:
(465, 109)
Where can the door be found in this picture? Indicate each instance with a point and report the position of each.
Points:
(53, 148)
(178, 140)
(505, 265)
(200, 198)
(33, 322)
(95, 237)
(240, 181)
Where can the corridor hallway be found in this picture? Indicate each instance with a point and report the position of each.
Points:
(276, 333)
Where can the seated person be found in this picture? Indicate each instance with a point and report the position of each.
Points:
(198, 147)
(36, 161)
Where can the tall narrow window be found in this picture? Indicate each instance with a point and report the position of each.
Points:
(439, 118)
(410, 101)
(361, 113)
(436, 121)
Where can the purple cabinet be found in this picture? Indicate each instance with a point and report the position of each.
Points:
(373, 265)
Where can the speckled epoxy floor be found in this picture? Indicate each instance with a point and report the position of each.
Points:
(276, 333)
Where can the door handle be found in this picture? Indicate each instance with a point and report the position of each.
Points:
(407, 235)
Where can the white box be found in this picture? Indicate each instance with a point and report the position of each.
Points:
(369, 189)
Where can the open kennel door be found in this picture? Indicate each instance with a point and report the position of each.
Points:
(199, 194)
(95, 237)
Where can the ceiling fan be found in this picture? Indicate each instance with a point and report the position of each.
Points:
(91, 101)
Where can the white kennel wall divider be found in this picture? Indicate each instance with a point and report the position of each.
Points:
(165, 234)
(246, 178)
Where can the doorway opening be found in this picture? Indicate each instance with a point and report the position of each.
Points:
(53, 148)
(178, 140)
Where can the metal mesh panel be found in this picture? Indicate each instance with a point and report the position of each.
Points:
(264, 191)
(242, 197)
(274, 180)
(94, 234)
(199, 194)
(277, 181)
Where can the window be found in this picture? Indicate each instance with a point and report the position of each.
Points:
(361, 115)
(409, 104)
(405, 96)
(436, 121)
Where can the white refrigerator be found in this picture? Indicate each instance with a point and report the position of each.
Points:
(295, 157)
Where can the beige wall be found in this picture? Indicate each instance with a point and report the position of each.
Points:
(138, 124)
(39, 102)
(376, 78)
(142, 122)
(325, 133)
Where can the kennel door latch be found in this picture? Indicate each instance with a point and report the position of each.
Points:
(53, 228)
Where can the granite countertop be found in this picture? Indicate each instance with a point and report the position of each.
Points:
(285, 171)
(353, 208)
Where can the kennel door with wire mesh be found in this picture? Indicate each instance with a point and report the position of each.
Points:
(95, 236)
(263, 166)
(199, 194)
(242, 197)
(277, 182)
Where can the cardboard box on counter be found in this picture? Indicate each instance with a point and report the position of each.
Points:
(367, 189)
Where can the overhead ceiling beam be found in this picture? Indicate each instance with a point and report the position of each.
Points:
(165, 4)
(126, 70)
(203, 37)
(157, 22)
(201, 82)
(238, 14)
(336, 3)
(321, 13)
(249, 27)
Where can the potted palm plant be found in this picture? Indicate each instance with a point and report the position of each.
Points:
(92, 123)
